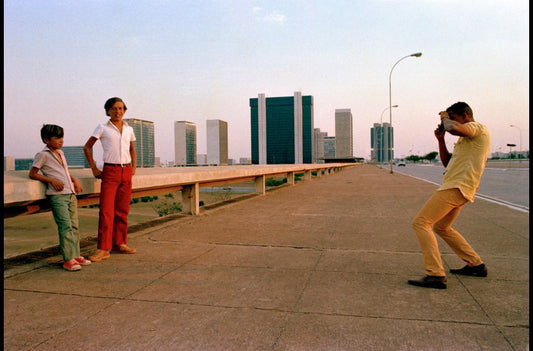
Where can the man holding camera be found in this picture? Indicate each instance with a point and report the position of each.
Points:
(459, 185)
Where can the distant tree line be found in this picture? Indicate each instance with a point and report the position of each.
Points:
(428, 157)
(433, 155)
(512, 156)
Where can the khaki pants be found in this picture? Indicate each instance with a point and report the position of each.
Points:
(439, 212)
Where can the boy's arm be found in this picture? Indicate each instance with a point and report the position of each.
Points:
(88, 151)
(34, 174)
(133, 155)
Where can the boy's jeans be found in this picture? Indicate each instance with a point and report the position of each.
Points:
(65, 211)
(439, 212)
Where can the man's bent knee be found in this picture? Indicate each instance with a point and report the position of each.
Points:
(420, 223)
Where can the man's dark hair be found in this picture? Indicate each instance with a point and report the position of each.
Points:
(110, 102)
(51, 130)
(459, 108)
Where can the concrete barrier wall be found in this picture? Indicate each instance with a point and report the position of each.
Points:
(21, 191)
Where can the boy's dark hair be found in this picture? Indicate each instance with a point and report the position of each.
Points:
(459, 108)
(110, 102)
(51, 130)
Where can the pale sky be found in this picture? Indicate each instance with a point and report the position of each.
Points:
(196, 60)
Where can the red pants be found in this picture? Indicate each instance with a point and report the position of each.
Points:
(115, 196)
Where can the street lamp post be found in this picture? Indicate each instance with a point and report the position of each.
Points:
(386, 108)
(418, 54)
(382, 142)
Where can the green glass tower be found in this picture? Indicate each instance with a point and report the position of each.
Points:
(145, 143)
(282, 129)
(185, 143)
(75, 156)
(381, 142)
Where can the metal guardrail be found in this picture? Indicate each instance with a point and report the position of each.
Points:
(23, 195)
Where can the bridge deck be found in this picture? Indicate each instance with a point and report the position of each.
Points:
(320, 265)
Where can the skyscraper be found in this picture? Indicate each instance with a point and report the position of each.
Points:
(282, 129)
(217, 142)
(201, 159)
(343, 133)
(9, 163)
(184, 143)
(318, 145)
(329, 147)
(381, 136)
(145, 143)
(75, 156)
(23, 164)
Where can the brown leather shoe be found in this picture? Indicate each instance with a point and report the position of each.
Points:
(125, 249)
(99, 255)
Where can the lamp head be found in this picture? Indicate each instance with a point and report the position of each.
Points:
(394, 106)
(418, 54)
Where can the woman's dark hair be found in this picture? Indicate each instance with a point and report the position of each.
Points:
(110, 102)
(51, 130)
(459, 108)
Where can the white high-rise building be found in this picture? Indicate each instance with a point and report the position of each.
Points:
(261, 128)
(329, 147)
(217, 142)
(9, 163)
(184, 143)
(201, 159)
(318, 145)
(298, 129)
(343, 133)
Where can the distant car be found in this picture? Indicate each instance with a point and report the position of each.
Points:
(401, 164)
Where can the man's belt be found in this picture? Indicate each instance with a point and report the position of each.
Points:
(117, 164)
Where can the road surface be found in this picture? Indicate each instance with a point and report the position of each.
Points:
(506, 185)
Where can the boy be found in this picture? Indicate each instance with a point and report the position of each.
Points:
(120, 162)
(61, 192)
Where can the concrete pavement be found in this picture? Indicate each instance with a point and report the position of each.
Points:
(322, 265)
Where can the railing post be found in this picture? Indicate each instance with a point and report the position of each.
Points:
(307, 175)
(190, 198)
(260, 187)
(290, 178)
